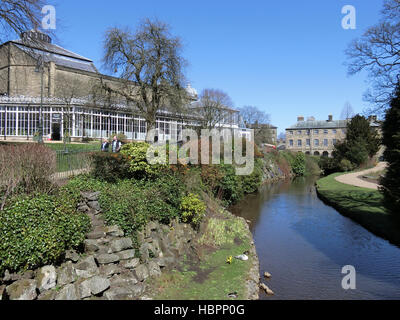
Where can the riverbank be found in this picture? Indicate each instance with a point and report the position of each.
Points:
(360, 204)
(216, 274)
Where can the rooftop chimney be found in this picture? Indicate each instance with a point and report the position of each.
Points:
(300, 118)
(330, 118)
(33, 35)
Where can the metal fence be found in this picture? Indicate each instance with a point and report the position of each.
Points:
(72, 163)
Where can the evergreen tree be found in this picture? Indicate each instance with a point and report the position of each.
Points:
(361, 134)
(391, 139)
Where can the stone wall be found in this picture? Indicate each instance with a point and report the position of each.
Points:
(109, 268)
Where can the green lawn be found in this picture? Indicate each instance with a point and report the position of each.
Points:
(362, 205)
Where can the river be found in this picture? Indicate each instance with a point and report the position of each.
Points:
(304, 244)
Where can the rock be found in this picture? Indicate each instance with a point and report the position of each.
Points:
(124, 279)
(154, 269)
(151, 227)
(138, 289)
(29, 274)
(121, 244)
(67, 293)
(86, 268)
(72, 255)
(46, 278)
(114, 231)
(267, 275)
(145, 250)
(142, 273)
(91, 196)
(2, 292)
(127, 254)
(267, 290)
(98, 284)
(66, 274)
(130, 264)
(82, 288)
(11, 277)
(106, 258)
(98, 233)
(109, 270)
(162, 262)
(91, 245)
(47, 295)
(94, 205)
(24, 289)
(119, 293)
(83, 208)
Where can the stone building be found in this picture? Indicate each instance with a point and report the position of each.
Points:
(318, 137)
(35, 72)
(265, 133)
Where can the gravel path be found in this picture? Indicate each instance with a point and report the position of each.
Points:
(354, 180)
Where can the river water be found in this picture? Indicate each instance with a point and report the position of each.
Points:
(304, 244)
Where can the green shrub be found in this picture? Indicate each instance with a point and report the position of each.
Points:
(298, 164)
(391, 139)
(252, 182)
(193, 209)
(312, 167)
(345, 165)
(230, 186)
(136, 154)
(110, 166)
(37, 230)
(131, 203)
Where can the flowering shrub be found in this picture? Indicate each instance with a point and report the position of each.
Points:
(136, 154)
(193, 209)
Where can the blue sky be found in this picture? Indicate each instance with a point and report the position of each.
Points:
(285, 57)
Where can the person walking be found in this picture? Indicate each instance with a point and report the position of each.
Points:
(105, 145)
(116, 145)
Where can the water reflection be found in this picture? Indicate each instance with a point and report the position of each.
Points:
(304, 244)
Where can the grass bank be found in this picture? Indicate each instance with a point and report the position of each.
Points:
(222, 236)
(362, 205)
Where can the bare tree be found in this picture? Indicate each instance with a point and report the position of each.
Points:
(17, 16)
(214, 108)
(150, 66)
(252, 115)
(69, 90)
(378, 53)
(347, 111)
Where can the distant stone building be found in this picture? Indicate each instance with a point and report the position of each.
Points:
(318, 137)
(265, 133)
